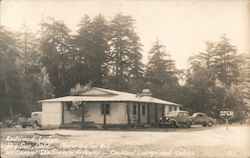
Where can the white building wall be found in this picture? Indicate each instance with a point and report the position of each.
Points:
(67, 116)
(93, 113)
(118, 114)
(167, 110)
(51, 114)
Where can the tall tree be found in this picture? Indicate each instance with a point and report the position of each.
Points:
(55, 46)
(9, 75)
(91, 43)
(204, 95)
(136, 78)
(30, 68)
(226, 62)
(34, 77)
(125, 52)
(161, 72)
(245, 84)
(214, 76)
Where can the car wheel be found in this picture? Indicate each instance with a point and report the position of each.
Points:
(24, 126)
(173, 124)
(188, 124)
(210, 124)
(204, 125)
(35, 125)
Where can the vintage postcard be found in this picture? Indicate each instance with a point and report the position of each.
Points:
(132, 79)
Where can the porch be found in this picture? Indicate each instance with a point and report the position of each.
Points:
(114, 114)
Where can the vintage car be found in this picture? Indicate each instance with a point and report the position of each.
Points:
(34, 121)
(176, 119)
(202, 119)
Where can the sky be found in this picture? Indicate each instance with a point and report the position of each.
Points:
(182, 26)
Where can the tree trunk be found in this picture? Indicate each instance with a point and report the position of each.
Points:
(7, 91)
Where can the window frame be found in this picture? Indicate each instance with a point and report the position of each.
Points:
(107, 109)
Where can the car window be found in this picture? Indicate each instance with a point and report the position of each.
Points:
(202, 115)
(173, 113)
(185, 114)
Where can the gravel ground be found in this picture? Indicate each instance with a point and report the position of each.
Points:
(194, 142)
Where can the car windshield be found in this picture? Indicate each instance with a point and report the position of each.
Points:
(198, 114)
(183, 114)
(173, 113)
(194, 115)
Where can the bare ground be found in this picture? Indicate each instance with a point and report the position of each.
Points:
(195, 142)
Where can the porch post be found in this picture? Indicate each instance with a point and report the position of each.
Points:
(128, 113)
(148, 114)
(139, 113)
(83, 114)
(104, 114)
(163, 110)
(156, 114)
(63, 112)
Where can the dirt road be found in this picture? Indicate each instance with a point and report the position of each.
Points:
(195, 142)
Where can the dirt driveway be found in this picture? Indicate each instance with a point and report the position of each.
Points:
(194, 142)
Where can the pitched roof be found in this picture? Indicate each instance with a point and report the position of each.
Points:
(100, 94)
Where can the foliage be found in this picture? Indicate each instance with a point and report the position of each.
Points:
(213, 78)
(245, 77)
(79, 89)
(125, 53)
(34, 81)
(56, 50)
(9, 74)
(108, 53)
(161, 73)
(76, 106)
(91, 44)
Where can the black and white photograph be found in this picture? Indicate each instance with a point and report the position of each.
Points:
(124, 79)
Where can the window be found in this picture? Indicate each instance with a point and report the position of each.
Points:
(134, 109)
(172, 108)
(177, 108)
(107, 108)
(68, 106)
(143, 109)
(201, 115)
(185, 114)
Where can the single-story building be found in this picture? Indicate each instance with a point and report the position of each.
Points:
(105, 107)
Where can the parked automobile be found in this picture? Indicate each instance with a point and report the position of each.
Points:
(34, 121)
(10, 123)
(202, 119)
(23, 121)
(176, 119)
